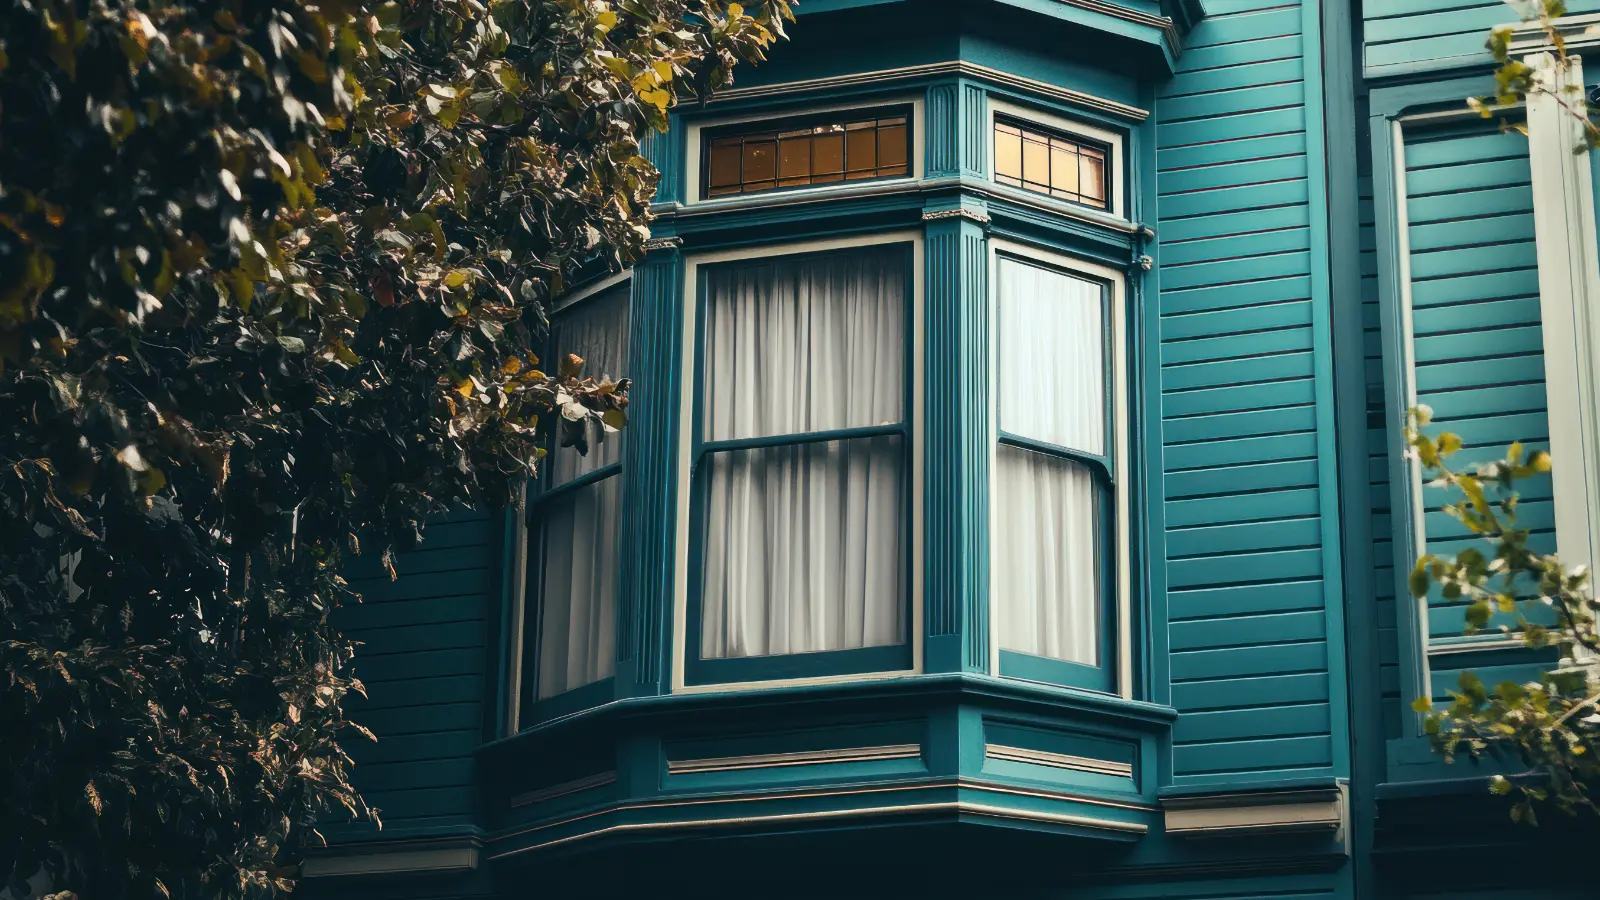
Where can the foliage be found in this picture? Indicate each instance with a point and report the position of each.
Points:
(273, 276)
(1515, 80)
(1552, 726)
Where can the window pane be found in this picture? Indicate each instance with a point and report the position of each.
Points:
(1052, 357)
(803, 549)
(892, 148)
(1008, 154)
(1047, 563)
(1094, 179)
(805, 344)
(1064, 171)
(861, 151)
(725, 164)
(596, 329)
(828, 156)
(578, 591)
(1036, 162)
(795, 159)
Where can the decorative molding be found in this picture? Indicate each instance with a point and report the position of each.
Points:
(1258, 812)
(1145, 262)
(971, 70)
(796, 758)
(1059, 760)
(439, 860)
(671, 242)
(942, 130)
(1167, 27)
(934, 215)
(563, 789)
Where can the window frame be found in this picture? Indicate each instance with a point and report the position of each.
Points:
(690, 672)
(1071, 129)
(697, 136)
(1114, 674)
(807, 119)
(528, 708)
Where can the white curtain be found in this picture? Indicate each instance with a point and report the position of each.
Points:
(1052, 389)
(578, 589)
(804, 549)
(1052, 357)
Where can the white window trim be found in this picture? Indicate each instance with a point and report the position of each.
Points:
(1569, 308)
(695, 157)
(1070, 128)
(691, 301)
(517, 651)
(1117, 363)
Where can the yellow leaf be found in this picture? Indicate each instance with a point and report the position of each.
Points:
(457, 278)
(605, 21)
(663, 69)
(735, 10)
(464, 389)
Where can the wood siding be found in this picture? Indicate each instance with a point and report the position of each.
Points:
(425, 664)
(1408, 36)
(1246, 563)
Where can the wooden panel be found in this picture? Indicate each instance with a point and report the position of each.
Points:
(1474, 291)
(425, 662)
(1410, 36)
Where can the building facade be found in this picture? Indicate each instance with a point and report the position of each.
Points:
(1012, 497)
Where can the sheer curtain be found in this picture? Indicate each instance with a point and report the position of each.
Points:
(1052, 389)
(804, 550)
(578, 589)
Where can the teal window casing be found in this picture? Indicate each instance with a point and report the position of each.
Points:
(692, 670)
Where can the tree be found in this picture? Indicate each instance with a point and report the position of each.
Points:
(274, 276)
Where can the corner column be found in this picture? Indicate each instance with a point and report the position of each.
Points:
(649, 502)
(956, 405)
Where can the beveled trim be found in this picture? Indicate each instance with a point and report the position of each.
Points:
(1058, 760)
(564, 788)
(960, 67)
(1245, 812)
(795, 758)
(446, 859)
(958, 807)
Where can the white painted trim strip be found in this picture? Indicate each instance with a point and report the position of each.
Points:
(453, 859)
(795, 758)
(564, 788)
(1059, 760)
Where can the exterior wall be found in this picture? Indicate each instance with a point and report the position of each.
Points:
(1254, 594)
(1274, 672)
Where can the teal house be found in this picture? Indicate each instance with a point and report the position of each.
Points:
(1012, 503)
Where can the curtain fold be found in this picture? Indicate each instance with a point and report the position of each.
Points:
(577, 619)
(1047, 552)
(803, 547)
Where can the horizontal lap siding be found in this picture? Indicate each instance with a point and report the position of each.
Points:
(1475, 318)
(424, 660)
(1427, 35)
(1245, 561)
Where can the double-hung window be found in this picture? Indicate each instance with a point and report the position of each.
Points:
(1054, 484)
(800, 461)
(573, 517)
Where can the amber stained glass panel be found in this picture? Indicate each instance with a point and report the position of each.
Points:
(848, 147)
(1050, 164)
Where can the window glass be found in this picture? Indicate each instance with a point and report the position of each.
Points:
(1050, 163)
(811, 150)
(575, 522)
(1051, 478)
(803, 490)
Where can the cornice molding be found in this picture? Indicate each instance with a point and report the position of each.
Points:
(1236, 813)
(960, 67)
(1163, 24)
(960, 212)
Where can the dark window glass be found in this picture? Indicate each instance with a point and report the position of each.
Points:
(819, 150)
(1050, 164)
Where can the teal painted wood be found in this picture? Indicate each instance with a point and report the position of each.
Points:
(1478, 353)
(956, 448)
(974, 130)
(426, 661)
(1252, 542)
(1411, 36)
(943, 141)
(649, 508)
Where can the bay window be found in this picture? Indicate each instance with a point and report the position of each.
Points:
(800, 467)
(573, 518)
(1056, 540)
